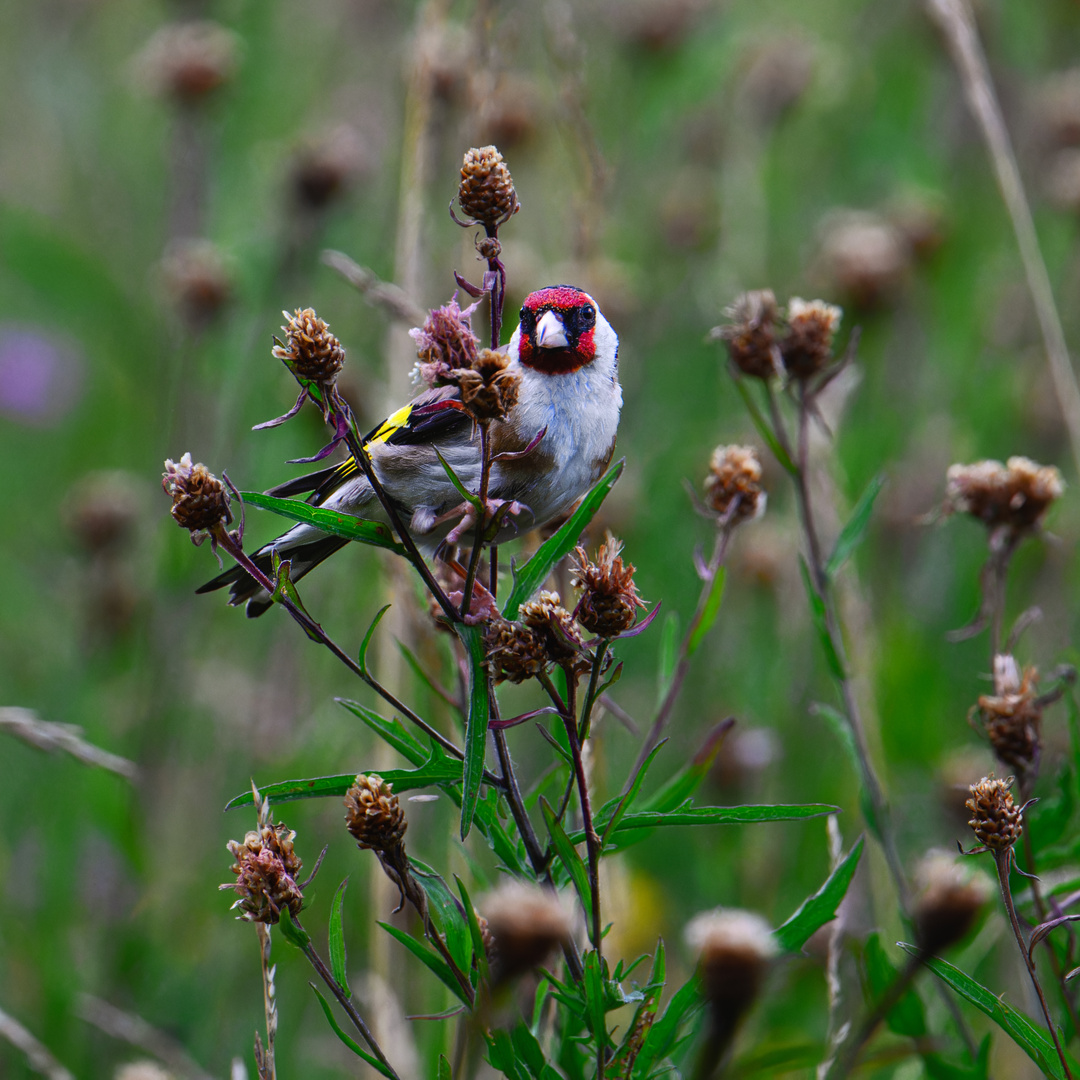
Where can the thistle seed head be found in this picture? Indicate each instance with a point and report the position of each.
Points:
(1011, 716)
(950, 898)
(310, 351)
(735, 472)
(488, 389)
(609, 599)
(266, 867)
(514, 651)
(995, 817)
(445, 343)
(187, 61)
(200, 501)
(196, 279)
(751, 336)
(486, 193)
(373, 814)
(1015, 495)
(807, 347)
(527, 924)
(560, 638)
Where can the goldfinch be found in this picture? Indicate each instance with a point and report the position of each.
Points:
(565, 354)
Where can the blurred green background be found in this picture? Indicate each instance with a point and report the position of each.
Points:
(164, 194)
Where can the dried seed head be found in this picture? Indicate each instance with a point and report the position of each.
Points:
(200, 501)
(310, 351)
(609, 600)
(807, 347)
(865, 257)
(373, 814)
(734, 949)
(1011, 716)
(751, 337)
(486, 194)
(445, 343)
(527, 924)
(1015, 495)
(196, 280)
(102, 510)
(325, 167)
(488, 389)
(735, 472)
(266, 867)
(554, 625)
(996, 819)
(950, 898)
(513, 651)
(187, 61)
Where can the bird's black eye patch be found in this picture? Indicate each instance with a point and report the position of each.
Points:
(588, 316)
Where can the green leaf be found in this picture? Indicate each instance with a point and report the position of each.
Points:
(709, 612)
(687, 780)
(503, 1056)
(594, 985)
(285, 590)
(907, 1016)
(338, 966)
(292, 933)
(570, 859)
(841, 728)
(1031, 1038)
(621, 805)
(763, 427)
(444, 1069)
(469, 496)
(851, 535)
(374, 533)
(366, 643)
(429, 958)
(354, 1046)
(439, 769)
(446, 914)
(487, 821)
(817, 614)
(663, 1035)
(534, 573)
(820, 908)
(392, 732)
(476, 731)
(528, 1049)
(475, 934)
(669, 654)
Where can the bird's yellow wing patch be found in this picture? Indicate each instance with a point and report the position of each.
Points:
(394, 422)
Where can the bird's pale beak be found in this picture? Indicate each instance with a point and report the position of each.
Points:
(550, 332)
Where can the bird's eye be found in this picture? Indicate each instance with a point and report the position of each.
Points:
(588, 315)
(521, 315)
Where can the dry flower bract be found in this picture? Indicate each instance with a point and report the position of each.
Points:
(735, 473)
(554, 625)
(187, 61)
(1015, 495)
(807, 347)
(200, 501)
(995, 817)
(1012, 716)
(751, 337)
(527, 924)
(266, 867)
(486, 193)
(951, 896)
(373, 814)
(489, 391)
(310, 351)
(514, 652)
(609, 598)
(445, 343)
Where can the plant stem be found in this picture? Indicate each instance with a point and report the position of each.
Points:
(268, 1068)
(1002, 860)
(481, 525)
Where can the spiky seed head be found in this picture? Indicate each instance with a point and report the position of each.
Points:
(735, 471)
(310, 351)
(188, 61)
(734, 948)
(445, 343)
(950, 898)
(807, 347)
(373, 814)
(200, 501)
(554, 625)
(266, 867)
(609, 599)
(1012, 716)
(995, 817)
(527, 924)
(751, 336)
(488, 389)
(1015, 495)
(513, 651)
(486, 193)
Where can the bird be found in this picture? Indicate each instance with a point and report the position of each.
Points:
(553, 444)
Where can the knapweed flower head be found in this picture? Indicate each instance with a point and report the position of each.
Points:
(1014, 496)
(807, 347)
(196, 279)
(309, 350)
(513, 651)
(200, 500)
(488, 390)
(526, 925)
(445, 343)
(752, 336)
(951, 896)
(373, 814)
(486, 193)
(609, 598)
(187, 61)
(554, 625)
(995, 818)
(1012, 715)
(266, 867)
(735, 473)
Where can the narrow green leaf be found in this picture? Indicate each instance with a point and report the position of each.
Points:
(429, 958)
(817, 614)
(503, 1056)
(907, 1016)
(687, 780)
(528, 1049)
(487, 821)
(446, 913)
(820, 908)
(469, 496)
(623, 804)
(475, 934)
(374, 533)
(534, 573)
(1031, 1038)
(366, 643)
(708, 612)
(852, 533)
(595, 996)
(292, 933)
(476, 731)
(444, 1069)
(669, 654)
(354, 1046)
(392, 732)
(663, 1035)
(570, 859)
(338, 966)
(764, 429)
(418, 669)
(285, 590)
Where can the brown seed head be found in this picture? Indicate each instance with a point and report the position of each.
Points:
(102, 510)
(187, 61)
(486, 193)
(326, 166)
(266, 867)
(734, 949)
(996, 819)
(1011, 716)
(865, 257)
(488, 389)
(554, 625)
(445, 343)
(527, 924)
(609, 599)
(1015, 495)
(513, 651)
(950, 898)
(735, 471)
(200, 501)
(196, 280)
(310, 351)
(373, 814)
(807, 347)
(751, 337)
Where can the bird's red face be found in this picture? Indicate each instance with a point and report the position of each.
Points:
(558, 330)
